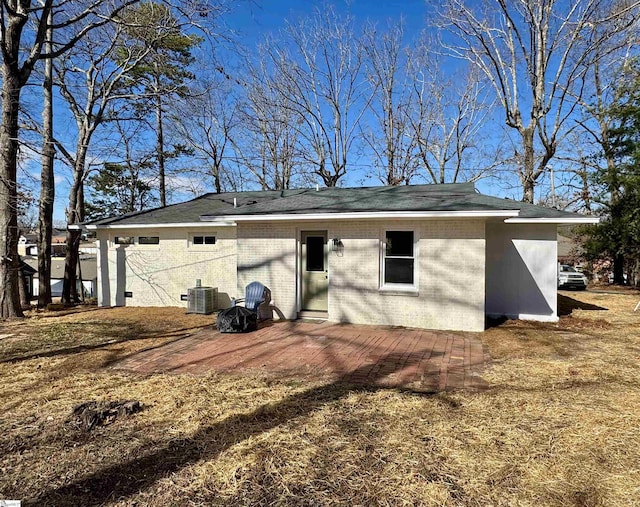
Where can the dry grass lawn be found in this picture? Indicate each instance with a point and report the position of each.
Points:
(560, 425)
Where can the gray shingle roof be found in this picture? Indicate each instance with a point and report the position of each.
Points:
(88, 265)
(454, 197)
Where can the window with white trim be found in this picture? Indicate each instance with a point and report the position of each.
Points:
(202, 240)
(399, 260)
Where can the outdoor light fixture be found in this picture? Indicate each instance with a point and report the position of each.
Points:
(337, 246)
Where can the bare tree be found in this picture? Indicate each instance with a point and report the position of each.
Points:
(124, 183)
(90, 79)
(23, 31)
(448, 116)
(205, 123)
(535, 52)
(392, 140)
(47, 181)
(147, 45)
(268, 145)
(589, 148)
(319, 68)
(596, 121)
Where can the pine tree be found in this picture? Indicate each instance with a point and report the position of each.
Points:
(118, 189)
(163, 73)
(618, 234)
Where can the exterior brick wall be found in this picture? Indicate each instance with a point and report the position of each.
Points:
(451, 257)
(451, 288)
(267, 254)
(157, 275)
(451, 270)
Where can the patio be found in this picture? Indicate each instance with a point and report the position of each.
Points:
(419, 359)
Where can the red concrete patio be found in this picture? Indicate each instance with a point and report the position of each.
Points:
(396, 357)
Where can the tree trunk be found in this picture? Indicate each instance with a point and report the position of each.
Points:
(47, 183)
(160, 144)
(528, 165)
(618, 269)
(9, 261)
(75, 215)
(70, 282)
(216, 175)
(23, 289)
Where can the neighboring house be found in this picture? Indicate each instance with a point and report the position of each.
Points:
(570, 251)
(28, 272)
(27, 244)
(88, 247)
(430, 256)
(88, 272)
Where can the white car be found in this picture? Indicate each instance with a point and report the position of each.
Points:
(570, 278)
(624, 277)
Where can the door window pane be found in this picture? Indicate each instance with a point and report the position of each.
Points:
(315, 253)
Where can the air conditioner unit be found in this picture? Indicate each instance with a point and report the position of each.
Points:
(202, 300)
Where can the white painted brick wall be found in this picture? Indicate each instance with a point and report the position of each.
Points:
(522, 271)
(267, 254)
(158, 274)
(451, 273)
(450, 276)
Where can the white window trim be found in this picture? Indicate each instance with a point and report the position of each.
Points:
(201, 248)
(399, 287)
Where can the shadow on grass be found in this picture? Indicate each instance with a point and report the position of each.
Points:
(121, 480)
(112, 336)
(566, 305)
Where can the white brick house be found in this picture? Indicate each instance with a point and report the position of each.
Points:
(432, 256)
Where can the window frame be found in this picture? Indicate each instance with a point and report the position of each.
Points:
(399, 287)
(125, 243)
(192, 245)
(145, 244)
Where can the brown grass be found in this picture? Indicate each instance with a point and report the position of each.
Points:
(559, 426)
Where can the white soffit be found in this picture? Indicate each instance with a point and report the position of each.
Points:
(571, 220)
(360, 216)
(224, 223)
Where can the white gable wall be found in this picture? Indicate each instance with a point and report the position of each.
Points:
(521, 271)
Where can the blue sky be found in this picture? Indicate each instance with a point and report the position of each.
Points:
(251, 21)
(254, 18)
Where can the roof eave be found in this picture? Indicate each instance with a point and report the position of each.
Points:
(554, 220)
(224, 223)
(359, 216)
